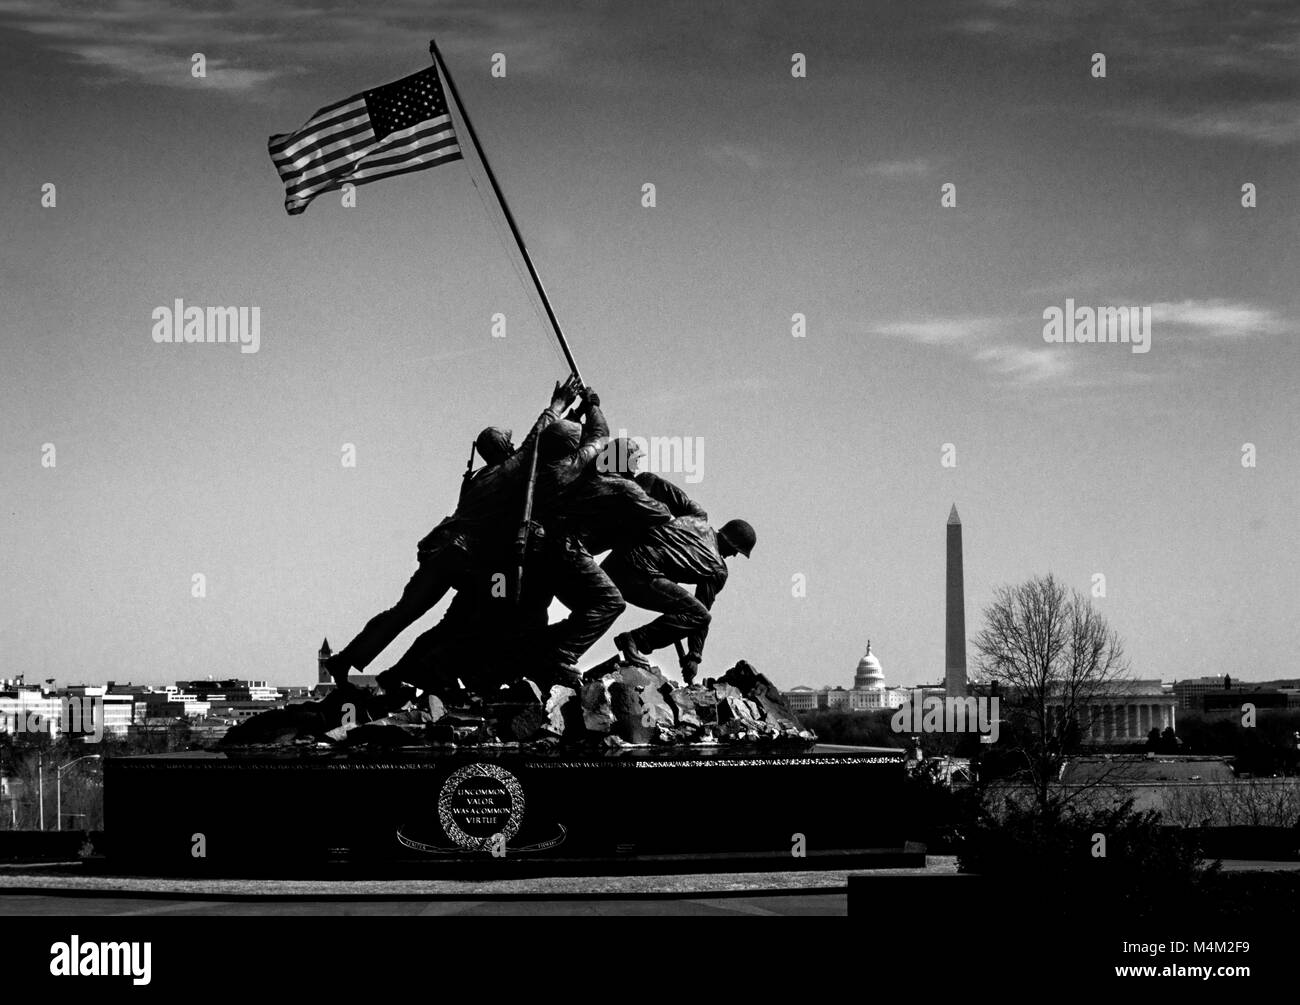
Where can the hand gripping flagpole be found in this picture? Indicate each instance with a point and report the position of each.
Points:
(521, 540)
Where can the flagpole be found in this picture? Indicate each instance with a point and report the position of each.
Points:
(525, 526)
(505, 206)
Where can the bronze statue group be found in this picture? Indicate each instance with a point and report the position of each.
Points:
(526, 528)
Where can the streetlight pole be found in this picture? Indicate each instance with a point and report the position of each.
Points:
(58, 785)
(40, 783)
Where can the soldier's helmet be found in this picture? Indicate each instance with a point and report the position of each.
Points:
(620, 457)
(559, 439)
(739, 535)
(494, 444)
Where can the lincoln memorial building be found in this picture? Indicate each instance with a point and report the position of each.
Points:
(1127, 712)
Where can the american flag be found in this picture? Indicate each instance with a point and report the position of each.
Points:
(400, 127)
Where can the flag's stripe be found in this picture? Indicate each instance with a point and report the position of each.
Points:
(424, 152)
(418, 156)
(442, 159)
(327, 148)
(298, 205)
(328, 115)
(333, 157)
(346, 154)
(319, 143)
(304, 141)
(321, 121)
(422, 132)
(308, 180)
(417, 152)
(338, 104)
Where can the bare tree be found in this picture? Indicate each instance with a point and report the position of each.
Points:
(1254, 802)
(1053, 657)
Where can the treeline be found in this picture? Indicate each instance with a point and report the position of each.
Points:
(36, 764)
(1265, 749)
(859, 729)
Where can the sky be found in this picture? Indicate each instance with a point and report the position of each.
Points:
(775, 195)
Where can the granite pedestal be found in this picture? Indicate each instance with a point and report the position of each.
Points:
(505, 811)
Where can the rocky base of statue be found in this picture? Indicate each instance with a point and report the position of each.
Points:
(619, 705)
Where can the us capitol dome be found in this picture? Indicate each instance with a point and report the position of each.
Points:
(868, 693)
(869, 676)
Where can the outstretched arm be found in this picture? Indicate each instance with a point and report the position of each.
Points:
(561, 398)
(595, 434)
(563, 395)
(664, 491)
(486, 480)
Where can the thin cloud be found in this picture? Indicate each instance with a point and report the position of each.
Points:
(1225, 73)
(170, 69)
(1025, 365)
(1272, 123)
(984, 341)
(262, 41)
(247, 43)
(942, 331)
(1009, 346)
(1217, 318)
(153, 43)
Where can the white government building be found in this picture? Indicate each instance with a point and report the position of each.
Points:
(868, 692)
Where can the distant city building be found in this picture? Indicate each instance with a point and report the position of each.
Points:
(869, 676)
(230, 689)
(869, 691)
(867, 694)
(1218, 694)
(325, 683)
(1260, 697)
(27, 708)
(1126, 711)
(24, 705)
(113, 687)
(236, 710)
(113, 709)
(1190, 691)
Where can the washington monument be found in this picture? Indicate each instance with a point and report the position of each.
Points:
(955, 642)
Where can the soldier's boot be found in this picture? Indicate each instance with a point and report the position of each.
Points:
(558, 672)
(631, 654)
(390, 682)
(338, 668)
